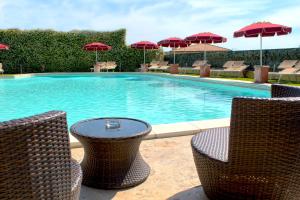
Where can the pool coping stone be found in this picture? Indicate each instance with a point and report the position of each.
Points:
(174, 129)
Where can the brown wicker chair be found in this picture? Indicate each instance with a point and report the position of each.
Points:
(35, 159)
(258, 157)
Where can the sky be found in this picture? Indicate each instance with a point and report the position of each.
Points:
(155, 20)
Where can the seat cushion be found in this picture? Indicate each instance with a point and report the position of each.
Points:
(213, 143)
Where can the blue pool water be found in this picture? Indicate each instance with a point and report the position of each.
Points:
(154, 99)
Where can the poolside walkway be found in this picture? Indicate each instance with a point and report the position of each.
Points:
(173, 174)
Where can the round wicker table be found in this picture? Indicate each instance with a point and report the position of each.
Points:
(111, 152)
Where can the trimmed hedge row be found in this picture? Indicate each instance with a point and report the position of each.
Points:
(62, 51)
(271, 57)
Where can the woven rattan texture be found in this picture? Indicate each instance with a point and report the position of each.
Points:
(263, 151)
(35, 159)
(114, 162)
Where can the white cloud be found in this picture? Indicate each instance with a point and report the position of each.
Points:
(155, 20)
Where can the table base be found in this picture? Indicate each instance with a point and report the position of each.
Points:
(93, 176)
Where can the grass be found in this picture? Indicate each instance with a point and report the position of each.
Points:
(292, 83)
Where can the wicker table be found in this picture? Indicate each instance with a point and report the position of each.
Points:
(111, 152)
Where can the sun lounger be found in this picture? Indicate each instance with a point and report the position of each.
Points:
(163, 66)
(289, 71)
(154, 62)
(228, 64)
(166, 67)
(1, 69)
(200, 63)
(236, 66)
(144, 67)
(288, 68)
(297, 66)
(287, 64)
(154, 65)
(232, 69)
(111, 65)
(99, 66)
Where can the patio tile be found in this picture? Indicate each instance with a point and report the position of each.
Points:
(173, 173)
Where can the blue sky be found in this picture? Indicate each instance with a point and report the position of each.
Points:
(157, 19)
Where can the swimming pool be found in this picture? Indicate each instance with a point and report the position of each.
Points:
(155, 99)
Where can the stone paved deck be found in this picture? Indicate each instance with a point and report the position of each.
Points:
(173, 174)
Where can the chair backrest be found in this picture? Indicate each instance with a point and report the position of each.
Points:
(154, 62)
(291, 70)
(228, 64)
(199, 63)
(265, 135)
(163, 63)
(238, 63)
(297, 66)
(287, 64)
(35, 157)
(237, 66)
(278, 90)
(111, 63)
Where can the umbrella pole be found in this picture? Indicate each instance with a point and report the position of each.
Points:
(96, 56)
(260, 50)
(144, 55)
(204, 52)
(174, 56)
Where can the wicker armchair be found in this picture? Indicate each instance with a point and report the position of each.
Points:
(258, 157)
(35, 159)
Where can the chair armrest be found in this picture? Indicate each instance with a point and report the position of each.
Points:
(284, 91)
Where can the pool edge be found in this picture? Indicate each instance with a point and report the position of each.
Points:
(237, 83)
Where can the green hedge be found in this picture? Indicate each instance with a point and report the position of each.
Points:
(62, 51)
(271, 57)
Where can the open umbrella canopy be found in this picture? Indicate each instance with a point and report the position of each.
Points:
(4, 47)
(206, 38)
(144, 45)
(96, 46)
(173, 42)
(264, 29)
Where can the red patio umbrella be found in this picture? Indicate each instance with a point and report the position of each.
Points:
(144, 45)
(205, 38)
(173, 42)
(96, 46)
(262, 29)
(4, 47)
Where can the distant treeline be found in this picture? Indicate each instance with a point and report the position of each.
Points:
(52, 51)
